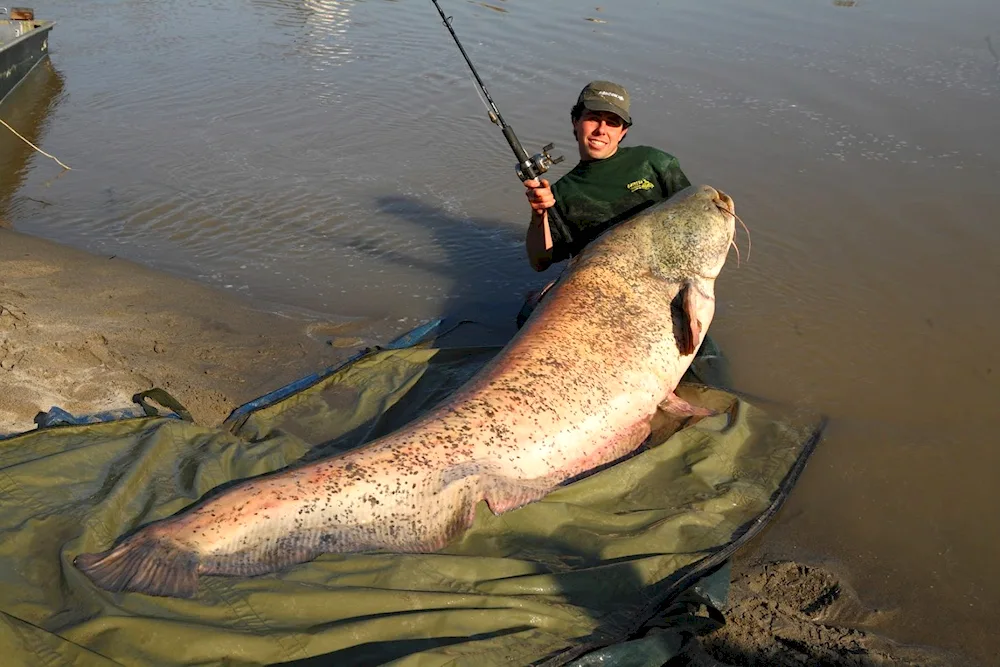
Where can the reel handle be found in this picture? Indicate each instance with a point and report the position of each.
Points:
(537, 164)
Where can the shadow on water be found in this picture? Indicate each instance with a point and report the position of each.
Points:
(27, 110)
(483, 261)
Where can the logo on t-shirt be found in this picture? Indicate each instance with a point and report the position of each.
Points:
(641, 184)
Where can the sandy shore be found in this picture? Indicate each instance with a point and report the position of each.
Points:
(86, 333)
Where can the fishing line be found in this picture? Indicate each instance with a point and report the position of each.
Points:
(18, 135)
(527, 167)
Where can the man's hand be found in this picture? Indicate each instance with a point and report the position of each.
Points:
(539, 194)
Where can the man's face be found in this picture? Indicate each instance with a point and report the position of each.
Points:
(598, 134)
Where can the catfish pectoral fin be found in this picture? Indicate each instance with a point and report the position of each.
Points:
(675, 405)
(503, 494)
(145, 564)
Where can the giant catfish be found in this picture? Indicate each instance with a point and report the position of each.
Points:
(575, 389)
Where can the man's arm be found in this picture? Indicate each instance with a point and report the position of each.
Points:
(538, 239)
(674, 179)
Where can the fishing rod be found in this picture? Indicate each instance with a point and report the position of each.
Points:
(527, 167)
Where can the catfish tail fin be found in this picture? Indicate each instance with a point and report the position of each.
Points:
(143, 563)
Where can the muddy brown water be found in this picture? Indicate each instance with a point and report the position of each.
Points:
(332, 158)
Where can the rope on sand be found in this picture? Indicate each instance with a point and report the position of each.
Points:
(32, 145)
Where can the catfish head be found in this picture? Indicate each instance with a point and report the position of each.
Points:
(691, 235)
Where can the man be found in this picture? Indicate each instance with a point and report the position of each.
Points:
(608, 185)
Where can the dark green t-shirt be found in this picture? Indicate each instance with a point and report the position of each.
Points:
(599, 193)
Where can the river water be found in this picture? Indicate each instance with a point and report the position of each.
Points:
(333, 158)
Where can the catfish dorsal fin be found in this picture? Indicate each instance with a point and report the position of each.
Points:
(687, 325)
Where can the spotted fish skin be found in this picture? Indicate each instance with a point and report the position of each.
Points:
(574, 389)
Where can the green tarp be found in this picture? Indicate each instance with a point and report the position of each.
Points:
(594, 566)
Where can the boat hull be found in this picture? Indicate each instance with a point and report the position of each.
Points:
(20, 53)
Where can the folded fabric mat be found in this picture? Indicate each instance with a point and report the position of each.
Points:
(619, 567)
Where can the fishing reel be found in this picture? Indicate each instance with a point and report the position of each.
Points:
(537, 164)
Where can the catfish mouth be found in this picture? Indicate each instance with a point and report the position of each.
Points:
(726, 205)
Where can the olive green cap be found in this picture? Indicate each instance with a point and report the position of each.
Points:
(606, 96)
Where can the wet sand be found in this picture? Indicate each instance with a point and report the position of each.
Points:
(86, 332)
(790, 614)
